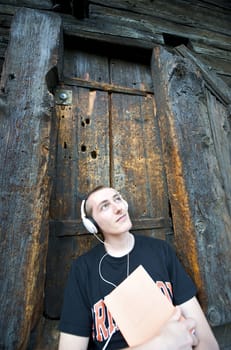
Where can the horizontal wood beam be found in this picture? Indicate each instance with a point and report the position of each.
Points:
(75, 227)
(105, 87)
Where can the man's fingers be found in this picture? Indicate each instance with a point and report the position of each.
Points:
(189, 323)
(176, 315)
(194, 337)
(191, 326)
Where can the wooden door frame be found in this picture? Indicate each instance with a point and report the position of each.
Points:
(198, 197)
(27, 130)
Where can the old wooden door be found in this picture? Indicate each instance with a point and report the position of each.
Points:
(107, 134)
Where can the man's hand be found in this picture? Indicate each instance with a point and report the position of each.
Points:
(179, 333)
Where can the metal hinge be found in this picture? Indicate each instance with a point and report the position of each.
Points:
(63, 97)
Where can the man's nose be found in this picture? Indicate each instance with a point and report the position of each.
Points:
(118, 207)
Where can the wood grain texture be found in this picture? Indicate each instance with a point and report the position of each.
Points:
(25, 141)
(196, 150)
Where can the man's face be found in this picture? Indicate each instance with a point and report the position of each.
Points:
(110, 211)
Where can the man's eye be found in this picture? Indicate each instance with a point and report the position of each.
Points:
(118, 199)
(104, 206)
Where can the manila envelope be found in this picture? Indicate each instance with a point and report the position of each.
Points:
(138, 307)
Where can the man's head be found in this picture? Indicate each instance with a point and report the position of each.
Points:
(108, 210)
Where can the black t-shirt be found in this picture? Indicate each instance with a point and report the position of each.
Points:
(84, 312)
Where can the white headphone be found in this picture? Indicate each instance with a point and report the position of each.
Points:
(89, 223)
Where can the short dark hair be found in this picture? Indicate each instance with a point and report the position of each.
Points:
(88, 211)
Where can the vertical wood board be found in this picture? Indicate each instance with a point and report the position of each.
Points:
(131, 74)
(86, 65)
(137, 167)
(25, 142)
(201, 215)
(82, 151)
(221, 133)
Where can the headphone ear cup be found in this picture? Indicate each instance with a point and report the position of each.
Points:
(126, 204)
(90, 225)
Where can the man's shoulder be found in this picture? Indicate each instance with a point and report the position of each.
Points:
(152, 245)
(149, 240)
(89, 256)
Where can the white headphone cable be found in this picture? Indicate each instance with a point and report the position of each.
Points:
(100, 274)
(108, 340)
(99, 239)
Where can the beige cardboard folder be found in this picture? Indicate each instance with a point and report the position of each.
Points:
(138, 307)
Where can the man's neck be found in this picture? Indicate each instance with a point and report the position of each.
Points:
(118, 246)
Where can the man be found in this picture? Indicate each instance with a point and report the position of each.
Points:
(96, 273)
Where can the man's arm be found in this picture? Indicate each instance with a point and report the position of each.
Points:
(191, 308)
(175, 335)
(72, 342)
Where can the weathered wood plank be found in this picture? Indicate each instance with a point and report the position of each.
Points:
(60, 254)
(154, 22)
(50, 335)
(82, 163)
(36, 4)
(222, 4)
(192, 20)
(106, 87)
(64, 228)
(81, 74)
(131, 75)
(4, 35)
(5, 21)
(215, 59)
(126, 32)
(8, 9)
(4, 39)
(220, 130)
(82, 150)
(62, 250)
(219, 88)
(25, 142)
(198, 190)
(204, 49)
(193, 14)
(221, 67)
(137, 169)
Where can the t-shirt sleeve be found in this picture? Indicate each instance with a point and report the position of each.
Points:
(76, 313)
(183, 286)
